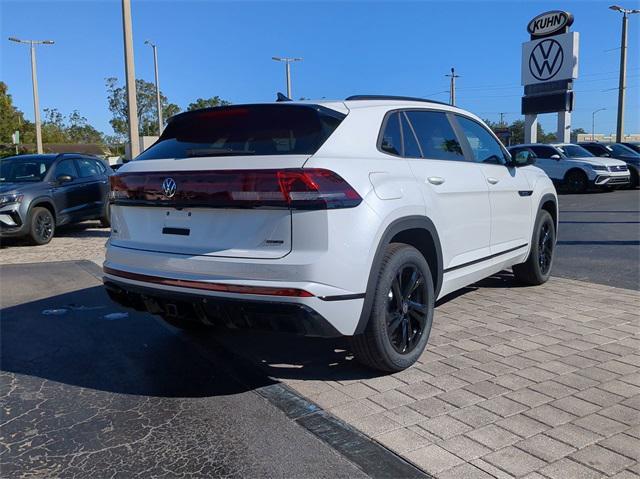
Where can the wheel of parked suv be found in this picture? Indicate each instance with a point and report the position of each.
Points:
(635, 179)
(42, 226)
(537, 268)
(402, 312)
(105, 221)
(576, 181)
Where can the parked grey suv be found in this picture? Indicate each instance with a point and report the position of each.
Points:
(40, 192)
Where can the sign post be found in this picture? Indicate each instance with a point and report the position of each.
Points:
(549, 66)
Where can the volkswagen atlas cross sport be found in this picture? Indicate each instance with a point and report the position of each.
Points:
(327, 218)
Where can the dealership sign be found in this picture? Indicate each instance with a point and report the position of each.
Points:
(549, 23)
(549, 66)
(550, 59)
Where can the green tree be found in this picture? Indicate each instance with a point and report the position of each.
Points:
(79, 131)
(147, 109)
(575, 132)
(11, 119)
(207, 103)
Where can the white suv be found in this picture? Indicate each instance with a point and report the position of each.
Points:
(576, 168)
(326, 218)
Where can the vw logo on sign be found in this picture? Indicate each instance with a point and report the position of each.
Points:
(546, 59)
(169, 187)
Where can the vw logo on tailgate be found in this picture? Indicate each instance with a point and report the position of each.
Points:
(169, 187)
(546, 59)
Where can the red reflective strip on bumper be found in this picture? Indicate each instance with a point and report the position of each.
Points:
(219, 287)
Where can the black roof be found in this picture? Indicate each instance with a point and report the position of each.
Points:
(392, 97)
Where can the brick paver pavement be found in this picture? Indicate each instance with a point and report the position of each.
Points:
(73, 242)
(516, 382)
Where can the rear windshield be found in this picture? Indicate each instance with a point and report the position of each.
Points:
(246, 130)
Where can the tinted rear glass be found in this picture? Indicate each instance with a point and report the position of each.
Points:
(246, 130)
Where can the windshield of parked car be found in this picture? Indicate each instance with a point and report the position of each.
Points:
(574, 151)
(621, 150)
(19, 170)
(246, 130)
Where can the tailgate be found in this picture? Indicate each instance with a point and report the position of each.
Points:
(237, 233)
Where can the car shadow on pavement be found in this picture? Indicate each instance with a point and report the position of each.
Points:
(83, 339)
(288, 356)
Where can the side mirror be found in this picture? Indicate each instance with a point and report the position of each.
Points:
(555, 157)
(523, 158)
(64, 179)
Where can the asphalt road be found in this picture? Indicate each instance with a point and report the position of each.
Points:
(599, 238)
(90, 391)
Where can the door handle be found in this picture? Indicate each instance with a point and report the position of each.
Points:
(435, 180)
(493, 181)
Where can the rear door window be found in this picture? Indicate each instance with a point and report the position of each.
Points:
(544, 151)
(246, 130)
(435, 134)
(411, 148)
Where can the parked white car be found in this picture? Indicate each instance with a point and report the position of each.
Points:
(326, 218)
(574, 167)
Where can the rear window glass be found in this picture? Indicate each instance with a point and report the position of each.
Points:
(246, 130)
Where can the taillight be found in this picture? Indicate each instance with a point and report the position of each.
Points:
(312, 188)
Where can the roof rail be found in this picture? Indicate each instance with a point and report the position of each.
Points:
(392, 97)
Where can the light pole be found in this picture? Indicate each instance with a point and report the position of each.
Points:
(452, 88)
(34, 81)
(593, 123)
(158, 102)
(623, 69)
(287, 62)
(130, 73)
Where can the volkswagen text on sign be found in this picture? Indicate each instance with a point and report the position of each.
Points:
(549, 22)
(550, 59)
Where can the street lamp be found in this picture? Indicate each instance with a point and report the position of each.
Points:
(623, 69)
(130, 80)
(34, 81)
(593, 123)
(287, 62)
(158, 102)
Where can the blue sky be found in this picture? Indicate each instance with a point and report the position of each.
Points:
(209, 48)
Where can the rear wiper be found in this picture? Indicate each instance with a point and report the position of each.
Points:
(218, 152)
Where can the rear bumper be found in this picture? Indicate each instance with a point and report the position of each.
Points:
(235, 313)
(256, 282)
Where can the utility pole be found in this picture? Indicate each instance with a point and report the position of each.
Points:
(158, 102)
(452, 88)
(132, 105)
(623, 69)
(287, 62)
(502, 114)
(593, 123)
(34, 82)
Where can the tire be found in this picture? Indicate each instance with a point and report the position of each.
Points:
(42, 226)
(634, 178)
(105, 221)
(395, 318)
(576, 181)
(537, 268)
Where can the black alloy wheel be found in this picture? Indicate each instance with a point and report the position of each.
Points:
(545, 248)
(42, 226)
(406, 309)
